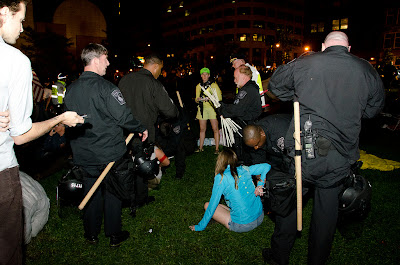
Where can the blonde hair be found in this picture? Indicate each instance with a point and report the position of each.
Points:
(225, 158)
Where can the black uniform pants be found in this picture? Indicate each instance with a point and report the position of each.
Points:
(186, 146)
(101, 201)
(322, 228)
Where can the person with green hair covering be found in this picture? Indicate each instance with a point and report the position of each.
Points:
(206, 109)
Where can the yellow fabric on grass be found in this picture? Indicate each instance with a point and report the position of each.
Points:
(374, 162)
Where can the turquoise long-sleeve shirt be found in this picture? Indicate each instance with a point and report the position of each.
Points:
(245, 206)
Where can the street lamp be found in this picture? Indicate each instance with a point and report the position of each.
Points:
(307, 48)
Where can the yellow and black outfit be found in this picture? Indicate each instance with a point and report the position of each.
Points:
(205, 108)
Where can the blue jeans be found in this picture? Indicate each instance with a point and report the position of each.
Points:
(240, 228)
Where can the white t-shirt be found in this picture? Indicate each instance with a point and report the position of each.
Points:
(16, 96)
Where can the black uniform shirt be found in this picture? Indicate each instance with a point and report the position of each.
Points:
(147, 98)
(246, 106)
(335, 90)
(275, 128)
(100, 140)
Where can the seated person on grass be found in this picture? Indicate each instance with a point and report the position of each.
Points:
(244, 211)
(164, 162)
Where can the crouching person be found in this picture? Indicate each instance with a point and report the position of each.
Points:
(100, 141)
(244, 210)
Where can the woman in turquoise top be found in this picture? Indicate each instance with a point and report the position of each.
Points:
(244, 210)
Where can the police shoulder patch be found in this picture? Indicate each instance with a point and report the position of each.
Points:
(241, 94)
(281, 143)
(118, 96)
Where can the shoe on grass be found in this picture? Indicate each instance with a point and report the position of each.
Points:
(216, 152)
(91, 239)
(116, 240)
(267, 255)
(198, 150)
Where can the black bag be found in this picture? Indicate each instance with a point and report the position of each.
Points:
(120, 180)
(280, 196)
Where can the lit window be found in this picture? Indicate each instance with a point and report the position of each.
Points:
(335, 24)
(258, 37)
(314, 28)
(340, 24)
(344, 23)
(181, 4)
(187, 13)
(243, 37)
(321, 27)
(169, 10)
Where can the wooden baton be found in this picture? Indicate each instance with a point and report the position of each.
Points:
(297, 161)
(100, 178)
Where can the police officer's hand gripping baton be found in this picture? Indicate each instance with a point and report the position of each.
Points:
(297, 161)
(100, 178)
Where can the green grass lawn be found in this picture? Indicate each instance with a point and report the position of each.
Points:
(160, 233)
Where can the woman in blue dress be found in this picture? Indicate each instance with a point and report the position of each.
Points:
(243, 210)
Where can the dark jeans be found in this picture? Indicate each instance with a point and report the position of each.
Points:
(11, 227)
(102, 200)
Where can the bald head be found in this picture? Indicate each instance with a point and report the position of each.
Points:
(336, 38)
(250, 132)
(254, 136)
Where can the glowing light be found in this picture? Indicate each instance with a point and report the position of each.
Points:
(307, 48)
(277, 45)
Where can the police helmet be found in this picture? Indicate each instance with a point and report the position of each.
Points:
(146, 167)
(355, 198)
(70, 186)
(70, 190)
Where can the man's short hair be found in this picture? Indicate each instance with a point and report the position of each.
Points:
(244, 69)
(153, 59)
(13, 5)
(91, 51)
(251, 132)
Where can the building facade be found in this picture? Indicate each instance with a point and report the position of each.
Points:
(391, 34)
(265, 32)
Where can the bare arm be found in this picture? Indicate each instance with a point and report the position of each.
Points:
(38, 129)
(161, 156)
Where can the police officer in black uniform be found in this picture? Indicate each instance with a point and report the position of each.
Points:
(335, 90)
(267, 137)
(100, 141)
(245, 109)
(147, 99)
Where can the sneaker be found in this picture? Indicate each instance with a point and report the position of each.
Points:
(198, 150)
(91, 239)
(116, 240)
(267, 255)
